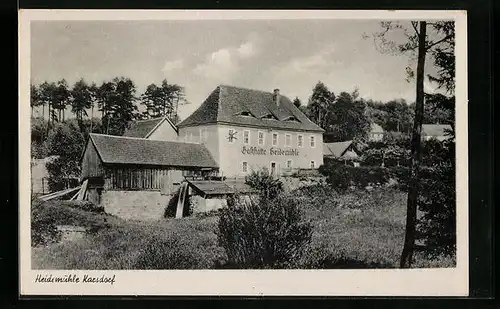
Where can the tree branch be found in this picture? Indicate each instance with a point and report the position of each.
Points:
(414, 27)
(437, 42)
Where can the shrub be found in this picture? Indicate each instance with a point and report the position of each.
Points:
(265, 183)
(67, 143)
(264, 233)
(437, 227)
(341, 177)
(43, 227)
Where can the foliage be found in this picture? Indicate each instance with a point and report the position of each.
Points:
(437, 227)
(39, 129)
(116, 101)
(319, 105)
(297, 102)
(81, 98)
(66, 142)
(264, 233)
(348, 118)
(341, 177)
(162, 100)
(265, 183)
(43, 227)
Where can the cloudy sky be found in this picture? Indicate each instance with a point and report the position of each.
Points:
(292, 55)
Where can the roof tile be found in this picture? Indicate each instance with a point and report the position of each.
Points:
(140, 151)
(226, 103)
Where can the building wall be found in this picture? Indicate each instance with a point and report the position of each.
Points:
(206, 134)
(135, 205)
(91, 163)
(233, 154)
(165, 132)
(141, 177)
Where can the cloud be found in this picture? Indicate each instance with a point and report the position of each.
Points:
(246, 50)
(319, 61)
(173, 65)
(218, 65)
(222, 64)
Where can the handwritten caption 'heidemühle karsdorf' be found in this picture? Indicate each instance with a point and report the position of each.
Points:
(72, 278)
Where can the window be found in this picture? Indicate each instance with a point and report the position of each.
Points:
(313, 141)
(313, 164)
(300, 140)
(244, 167)
(246, 137)
(288, 140)
(275, 139)
(261, 138)
(288, 164)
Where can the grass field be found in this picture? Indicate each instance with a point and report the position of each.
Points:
(365, 228)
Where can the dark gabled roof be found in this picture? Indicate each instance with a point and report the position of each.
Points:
(336, 149)
(226, 104)
(140, 151)
(435, 129)
(209, 187)
(144, 128)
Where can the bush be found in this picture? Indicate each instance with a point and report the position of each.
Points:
(437, 227)
(43, 227)
(265, 233)
(265, 183)
(341, 177)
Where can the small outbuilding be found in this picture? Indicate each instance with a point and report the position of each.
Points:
(135, 178)
(208, 195)
(341, 151)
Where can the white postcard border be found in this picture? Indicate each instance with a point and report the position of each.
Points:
(380, 282)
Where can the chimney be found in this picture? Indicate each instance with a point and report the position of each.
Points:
(276, 97)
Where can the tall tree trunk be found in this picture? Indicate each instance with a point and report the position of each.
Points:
(413, 183)
(48, 118)
(91, 117)
(43, 110)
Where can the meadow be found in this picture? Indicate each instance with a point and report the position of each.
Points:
(354, 229)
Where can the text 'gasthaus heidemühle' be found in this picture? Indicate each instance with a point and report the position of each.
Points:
(73, 278)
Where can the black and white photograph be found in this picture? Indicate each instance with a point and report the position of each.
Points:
(256, 145)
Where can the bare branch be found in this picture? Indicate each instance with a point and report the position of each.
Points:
(414, 25)
(437, 42)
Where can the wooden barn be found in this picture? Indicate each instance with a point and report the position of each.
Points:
(135, 177)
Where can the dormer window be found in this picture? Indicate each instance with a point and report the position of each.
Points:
(246, 113)
(268, 116)
(291, 118)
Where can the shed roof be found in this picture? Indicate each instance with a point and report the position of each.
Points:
(209, 187)
(435, 129)
(336, 149)
(140, 151)
(144, 128)
(248, 107)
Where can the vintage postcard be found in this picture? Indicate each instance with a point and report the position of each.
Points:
(294, 153)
